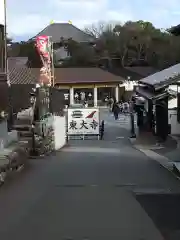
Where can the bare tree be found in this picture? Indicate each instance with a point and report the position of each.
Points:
(96, 30)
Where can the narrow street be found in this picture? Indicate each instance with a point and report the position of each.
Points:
(91, 190)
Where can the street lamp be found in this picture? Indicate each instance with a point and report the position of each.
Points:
(133, 134)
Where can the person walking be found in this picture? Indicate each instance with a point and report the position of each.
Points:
(115, 110)
(121, 106)
(111, 102)
(126, 108)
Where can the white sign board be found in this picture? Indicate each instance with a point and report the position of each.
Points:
(83, 121)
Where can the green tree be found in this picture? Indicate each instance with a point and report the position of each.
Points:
(129, 42)
(140, 40)
(28, 49)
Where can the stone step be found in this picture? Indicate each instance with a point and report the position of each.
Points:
(14, 156)
(23, 122)
(24, 133)
(22, 127)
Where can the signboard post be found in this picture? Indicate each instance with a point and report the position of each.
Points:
(83, 122)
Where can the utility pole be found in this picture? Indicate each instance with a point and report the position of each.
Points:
(6, 69)
(5, 37)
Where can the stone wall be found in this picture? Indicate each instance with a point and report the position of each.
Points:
(6, 137)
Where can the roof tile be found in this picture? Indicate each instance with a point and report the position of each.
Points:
(19, 73)
(23, 75)
(164, 77)
(65, 30)
(84, 75)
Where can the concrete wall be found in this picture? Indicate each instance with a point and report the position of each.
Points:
(59, 124)
(172, 103)
(172, 118)
(59, 130)
(174, 88)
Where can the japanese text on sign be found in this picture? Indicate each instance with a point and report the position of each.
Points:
(83, 121)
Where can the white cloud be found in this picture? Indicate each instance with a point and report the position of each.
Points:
(29, 17)
(2, 12)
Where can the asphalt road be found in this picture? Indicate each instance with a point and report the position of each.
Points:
(87, 191)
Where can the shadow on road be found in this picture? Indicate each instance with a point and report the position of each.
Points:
(164, 210)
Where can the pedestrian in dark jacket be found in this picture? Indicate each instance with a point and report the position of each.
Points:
(115, 110)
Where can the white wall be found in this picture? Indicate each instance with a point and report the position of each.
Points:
(59, 124)
(59, 127)
(129, 85)
(172, 118)
(172, 103)
(174, 88)
(60, 53)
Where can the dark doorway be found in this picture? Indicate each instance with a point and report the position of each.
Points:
(103, 93)
(84, 94)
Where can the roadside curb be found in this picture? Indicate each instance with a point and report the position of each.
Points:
(146, 147)
(162, 160)
(177, 139)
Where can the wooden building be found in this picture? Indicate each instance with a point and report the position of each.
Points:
(154, 89)
(94, 82)
(176, 32)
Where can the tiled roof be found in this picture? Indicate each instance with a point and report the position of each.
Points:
(125, 73)
(18, 61)
(19, 73)
(142, 71)
(149, 94)
(65, 30)
(23, 75)
(163, 78)
(85, 75)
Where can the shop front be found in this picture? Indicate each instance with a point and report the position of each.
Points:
(92, 85)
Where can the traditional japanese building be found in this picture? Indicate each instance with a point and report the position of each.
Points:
(96, 83)
(176, 32)
(155, 90)
(63, 32)
(161, 92)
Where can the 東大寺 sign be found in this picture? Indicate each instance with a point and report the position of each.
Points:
(83, 121)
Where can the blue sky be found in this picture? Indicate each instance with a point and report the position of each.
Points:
(26, 18)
